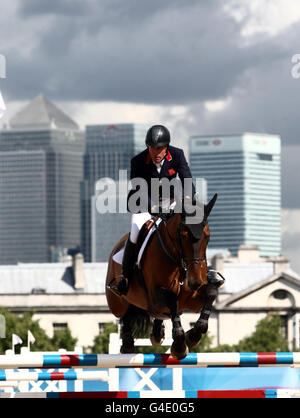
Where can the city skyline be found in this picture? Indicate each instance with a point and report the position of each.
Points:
(290, 240)
(196, 67)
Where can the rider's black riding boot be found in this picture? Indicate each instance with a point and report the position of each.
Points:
(129, 257)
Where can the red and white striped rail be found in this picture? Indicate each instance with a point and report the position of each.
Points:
(39, 360)
(34, 376)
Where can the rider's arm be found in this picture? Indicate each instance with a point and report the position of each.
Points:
(184, 172)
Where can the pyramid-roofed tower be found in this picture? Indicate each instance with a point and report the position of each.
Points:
(41, 113)
(41, 168)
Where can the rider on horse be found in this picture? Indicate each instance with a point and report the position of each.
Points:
(159, 160)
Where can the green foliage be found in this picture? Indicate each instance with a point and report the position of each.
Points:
(204, 345)
(101, 341)
(63, 339)
(20, 324)
(267, 337)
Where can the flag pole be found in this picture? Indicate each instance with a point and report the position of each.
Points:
(15, 340)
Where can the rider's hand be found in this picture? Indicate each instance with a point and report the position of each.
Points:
(155, 209)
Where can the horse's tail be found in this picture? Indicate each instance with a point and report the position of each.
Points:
(138, 320)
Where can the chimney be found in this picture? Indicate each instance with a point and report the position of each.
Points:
(248, 254)
(79, 281)
(281, 264)
(217, 263)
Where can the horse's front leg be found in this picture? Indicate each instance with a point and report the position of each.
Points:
(179, 348)
(126, 335)
(194, 335)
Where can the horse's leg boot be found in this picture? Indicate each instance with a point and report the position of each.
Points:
(129, 258)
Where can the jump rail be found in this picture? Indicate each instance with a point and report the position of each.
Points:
(165, 394)
(10, 375)
(38, 360)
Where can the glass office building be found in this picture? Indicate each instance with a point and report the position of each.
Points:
(245, 171)
(41, 168)
(109, 149)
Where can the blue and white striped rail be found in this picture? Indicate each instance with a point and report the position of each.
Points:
(33, 376)
(164, 394)
(38, 360)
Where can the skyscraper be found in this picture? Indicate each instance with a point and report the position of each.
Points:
(245, 171)
(41, 166)
(109, 148)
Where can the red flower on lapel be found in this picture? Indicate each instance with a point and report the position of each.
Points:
(171, 171)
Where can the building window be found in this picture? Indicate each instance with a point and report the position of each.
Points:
(60, 326)
(284, 326)
(101, 327)
(280, 294)
(265, 157)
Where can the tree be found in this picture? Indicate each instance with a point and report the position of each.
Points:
(101, 341)
(63, 339)
(20, 324)
(267, 337)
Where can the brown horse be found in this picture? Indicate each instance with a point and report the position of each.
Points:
(172, 277)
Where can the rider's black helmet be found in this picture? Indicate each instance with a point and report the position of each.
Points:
(157, 136)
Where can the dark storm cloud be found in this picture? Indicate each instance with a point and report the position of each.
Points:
(169, 52)
(31, 8)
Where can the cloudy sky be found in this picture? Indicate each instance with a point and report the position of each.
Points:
(200, 67)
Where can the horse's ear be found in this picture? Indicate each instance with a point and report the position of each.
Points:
(210, 205)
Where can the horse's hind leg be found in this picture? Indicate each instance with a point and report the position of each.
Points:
(194, 335)
(158, 332)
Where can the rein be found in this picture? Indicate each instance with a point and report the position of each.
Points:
(181, 261)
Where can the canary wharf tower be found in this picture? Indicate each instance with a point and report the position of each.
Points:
(41, 166)
(244, 170)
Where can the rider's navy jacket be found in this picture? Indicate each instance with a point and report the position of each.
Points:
(174, 165)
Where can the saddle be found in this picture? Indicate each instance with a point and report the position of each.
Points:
(142, 241)
(144, 232)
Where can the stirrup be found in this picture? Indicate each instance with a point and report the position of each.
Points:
(121, 288)
(212, 278)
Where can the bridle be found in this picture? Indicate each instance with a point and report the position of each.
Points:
(181, 261)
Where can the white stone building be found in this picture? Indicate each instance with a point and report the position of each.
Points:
(72, 294)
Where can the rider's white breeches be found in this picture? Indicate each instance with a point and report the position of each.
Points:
(137, 221)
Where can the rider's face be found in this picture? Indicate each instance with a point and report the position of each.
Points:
(157, 153)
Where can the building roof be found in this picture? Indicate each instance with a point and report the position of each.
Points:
(58, 278)
(295, 282)
(40, 113)
(50, 278)
(240, 276)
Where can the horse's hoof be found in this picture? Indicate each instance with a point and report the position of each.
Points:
(155, 342)
(191, 343)
(180, 355)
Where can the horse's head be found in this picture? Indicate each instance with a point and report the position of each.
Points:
(193, 240)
